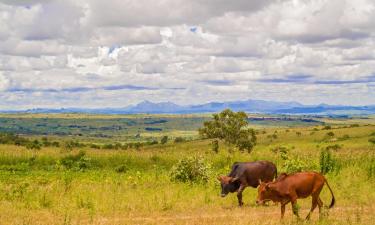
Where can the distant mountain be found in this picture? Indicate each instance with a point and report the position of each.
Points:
(252, 106)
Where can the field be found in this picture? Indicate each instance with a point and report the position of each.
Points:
(86, 185)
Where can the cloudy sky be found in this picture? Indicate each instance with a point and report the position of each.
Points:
(112, 53)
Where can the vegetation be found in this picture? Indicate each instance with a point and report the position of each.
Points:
(231, 127)
(118, 181)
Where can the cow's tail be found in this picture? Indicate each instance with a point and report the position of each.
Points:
(333, 197)
(275, 176)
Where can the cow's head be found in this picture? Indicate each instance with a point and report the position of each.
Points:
(228, 184)
(264, 193)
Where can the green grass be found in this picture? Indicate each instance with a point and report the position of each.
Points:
(36, 188)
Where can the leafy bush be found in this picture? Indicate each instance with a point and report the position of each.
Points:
(327, 127)
(179, 139)
(344, 137)
(293, 165)
(371, 169)
(371, 140)
(78, 162)
(290, 164)
(34, 145)
(334, 147)
(121, 168)
(164, 140)
(327, 162)
(215, 146)
(191, 169)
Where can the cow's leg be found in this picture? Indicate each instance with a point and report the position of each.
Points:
(320, 205)
(295, 206)
(239, 194)
(283, 204)
(314, 203)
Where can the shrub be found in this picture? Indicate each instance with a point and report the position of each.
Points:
(215, 146)
(78, 162)
(327, 162)
(371, 140)
(34, 145)
(121, 168)
(334, 147)
(179, 139)
(164, 140)
(344, 137)
(371, 169)
(298, 133)
(293, 165)
(327, 127)
(191, 169)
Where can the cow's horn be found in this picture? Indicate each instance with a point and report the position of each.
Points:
(234, 179)
(219, 178)
(260, 181)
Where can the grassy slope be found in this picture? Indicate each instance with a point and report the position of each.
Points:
(145, 195)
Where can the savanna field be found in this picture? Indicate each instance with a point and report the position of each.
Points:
(81, 169)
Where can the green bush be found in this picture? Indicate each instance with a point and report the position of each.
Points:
(122, 168)
(164, 140)
(215, 146)
(334, 147)
(371, 140)
(371, 169)
(327, 162)
(293, 165)
(191, 169)
(179, 139)
(77, 162)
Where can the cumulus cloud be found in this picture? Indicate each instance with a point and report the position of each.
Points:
(58, 53)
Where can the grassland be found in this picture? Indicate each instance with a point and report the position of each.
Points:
(134, 186)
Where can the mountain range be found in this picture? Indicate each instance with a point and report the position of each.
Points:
(251, 106)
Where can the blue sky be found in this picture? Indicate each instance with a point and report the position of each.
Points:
(94, 53)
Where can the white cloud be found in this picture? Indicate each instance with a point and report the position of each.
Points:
(118, 52)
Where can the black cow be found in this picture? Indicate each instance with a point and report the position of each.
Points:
(246, 174)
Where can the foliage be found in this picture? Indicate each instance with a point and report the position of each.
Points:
(122, 168)
(191, 169)
(164, 140)
(179, 139)
(232, 128)
(372, 140)
(77, 162)
(334, 147)
(326, 161)
(34, 145)
(215, 146)
(371, 169)
(290, 164)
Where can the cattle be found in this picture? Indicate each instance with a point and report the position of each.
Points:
(244, 174)
(288, 188)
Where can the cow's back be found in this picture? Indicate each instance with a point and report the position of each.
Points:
(303, 183)
(252, 172)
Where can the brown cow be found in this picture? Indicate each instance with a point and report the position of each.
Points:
(289, 188)
(246, 174)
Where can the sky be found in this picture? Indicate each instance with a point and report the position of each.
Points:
(114, 53)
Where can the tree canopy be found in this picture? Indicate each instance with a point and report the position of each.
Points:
(232, 128)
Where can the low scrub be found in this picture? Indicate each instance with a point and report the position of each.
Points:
(191, 169)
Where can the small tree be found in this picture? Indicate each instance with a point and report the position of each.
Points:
(164, 140)
(231, 127)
